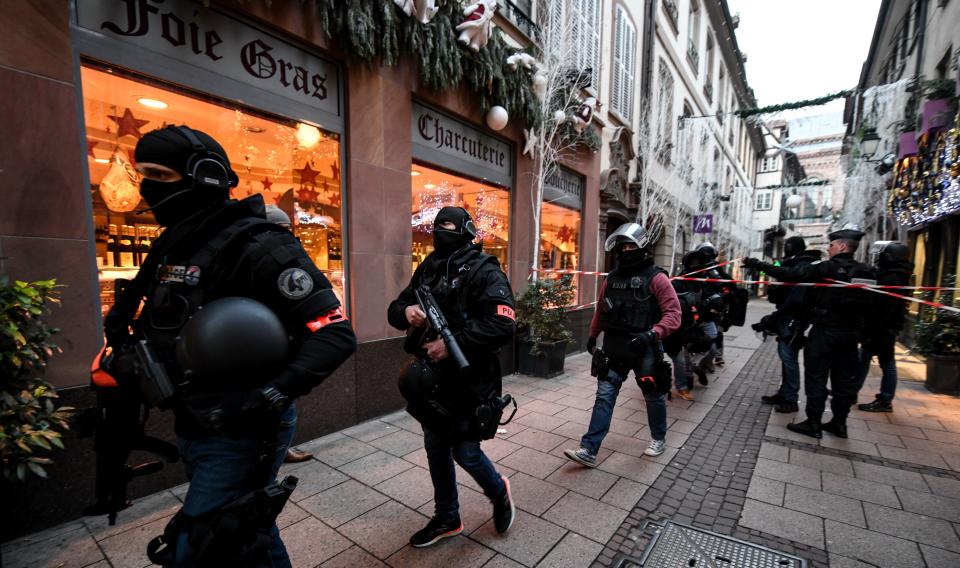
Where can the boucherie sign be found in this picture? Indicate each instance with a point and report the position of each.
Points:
(216, 42)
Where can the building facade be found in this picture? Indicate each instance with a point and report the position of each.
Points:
(778, 171)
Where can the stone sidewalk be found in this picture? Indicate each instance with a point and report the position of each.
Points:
(730, 467)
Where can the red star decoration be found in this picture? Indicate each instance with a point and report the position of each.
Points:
(564, 235)
(306, 195)
(128, 124)
(335, 171)
(307, 175)
(266, 183)
(91, 144)
(334, 200)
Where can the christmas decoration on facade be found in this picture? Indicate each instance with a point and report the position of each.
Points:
(529, 142)
(540, 85)
(565, 234)
(497, 118)
(422, 10)
(120, 187)
(476, 29)
(127, 124)
(584, 114)
(524, 60)
(308, 175)
(926, 187)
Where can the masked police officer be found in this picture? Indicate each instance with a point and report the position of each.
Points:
(838, 316)
(637, 308)
(457, 407)
(233, 422)
(893, 269)
(789, 325)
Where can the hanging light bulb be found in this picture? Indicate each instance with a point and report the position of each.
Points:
(307, 135)
(120, 187)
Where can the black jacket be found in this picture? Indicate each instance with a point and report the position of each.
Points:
(789, 299)
(890, 312)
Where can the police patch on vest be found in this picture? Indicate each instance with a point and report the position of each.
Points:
(192, 276)
(171, 272)
(295, 283)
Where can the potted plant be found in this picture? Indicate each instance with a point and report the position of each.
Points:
(30, 421)
(542, 316)
(938, 338)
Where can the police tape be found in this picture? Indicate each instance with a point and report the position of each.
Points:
(875, 290)
(837, 284)
(594, 273)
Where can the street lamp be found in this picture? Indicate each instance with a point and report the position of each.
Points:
(869, 144)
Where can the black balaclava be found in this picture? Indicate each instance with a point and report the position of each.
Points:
(630, 258)
(793, 246)
(172, 202)
(448, 241)
(893, 253)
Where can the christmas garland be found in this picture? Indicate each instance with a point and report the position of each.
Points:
(376, 31)
(745, 112)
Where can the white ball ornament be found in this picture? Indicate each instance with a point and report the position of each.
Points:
(794, 201)
(560, 116)
(497, 118)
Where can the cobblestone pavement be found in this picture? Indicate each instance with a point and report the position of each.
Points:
(885, 497)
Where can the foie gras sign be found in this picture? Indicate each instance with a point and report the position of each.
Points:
(213, 41)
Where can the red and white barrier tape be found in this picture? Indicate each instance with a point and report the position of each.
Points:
(873, 289)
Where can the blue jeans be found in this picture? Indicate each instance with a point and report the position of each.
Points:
(682, 373)
(881, 347)
(607, 392)
(441, 454)
(219, 469)
(790, 369)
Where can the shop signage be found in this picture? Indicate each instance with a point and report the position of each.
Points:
(205, 38)
(565, 188)
(448, 142)
(703, 224)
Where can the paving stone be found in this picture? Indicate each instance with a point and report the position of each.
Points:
(69, 544)
(534, 495)
(879, 549)
(528, 541)
(625, 493)
(792, 525)
(543, 394)
(129, 549)
(588, 517)
(922, 457)
(889, 476)
(311, 542)
(353, 557)
(942, 436)
(937, 557)
(774, 452)
(867, 435)
(586, 481)
(624, 444)
(399, 443)
(767, 490)
(837, 561)
(574, 551)
(542, 422)
(861, 489)
(919, 528)
(924, 503)
(538, 440)
(571, 401)
(403, 420)
(339, 451)
(475, 509)
(943, 486)
(343, 503)
(371, 430)
(498, 448)
(822, 462)
(501, 561)
(824, 505)
(849, 445)
(457, 552)
(641, 470)
(789, 473)
(895, 430)
(543, 407)
(315, 478)
(413, 487)
(384, 530)
(533, 462)
(290, 514)
(419, 457)
(571, 430)
(375, 468)
(143, 511)
(581, 417)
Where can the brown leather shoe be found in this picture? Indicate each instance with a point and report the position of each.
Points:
(296, 456)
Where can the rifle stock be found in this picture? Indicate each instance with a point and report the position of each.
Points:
(439, 324)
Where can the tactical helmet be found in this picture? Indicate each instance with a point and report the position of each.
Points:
(232, 339)
(418, 382)
(628, 233)
(707, 249)
(889, 251)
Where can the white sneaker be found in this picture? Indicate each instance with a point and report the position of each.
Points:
(655, 448)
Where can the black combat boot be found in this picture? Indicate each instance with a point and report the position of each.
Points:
(785, 407)
(771, 399)
(836, 427)
(808, 427)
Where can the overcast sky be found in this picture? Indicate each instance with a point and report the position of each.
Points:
(803, 49)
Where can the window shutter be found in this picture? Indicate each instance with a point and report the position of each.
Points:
(629, 70)
(593, 38)
(616, 98)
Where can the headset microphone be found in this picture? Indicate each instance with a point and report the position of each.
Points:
(161, 202)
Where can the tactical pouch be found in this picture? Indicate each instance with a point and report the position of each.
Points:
(486, 418)
(663, 375)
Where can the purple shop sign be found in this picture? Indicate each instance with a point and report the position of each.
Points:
(703, 224)
(936, 114)
(908, 145)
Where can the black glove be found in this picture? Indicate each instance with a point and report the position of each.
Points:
(591, 345)
(752, 262)
(644, 340)
(236, 412)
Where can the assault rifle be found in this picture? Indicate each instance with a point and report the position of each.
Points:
(440, 326)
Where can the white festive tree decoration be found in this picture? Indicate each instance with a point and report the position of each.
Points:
(422, 10)
(476, 29)
(584, 114)
(524, 60)
(529, 142)
(540, 81)
(497, 118)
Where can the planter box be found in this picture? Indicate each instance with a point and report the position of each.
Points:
(943, 374)
(548, 364)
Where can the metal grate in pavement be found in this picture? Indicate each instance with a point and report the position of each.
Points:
(681, 546)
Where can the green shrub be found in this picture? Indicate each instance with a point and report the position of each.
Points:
(938, 330)
(542, 311)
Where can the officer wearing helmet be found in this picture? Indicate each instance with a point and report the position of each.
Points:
(894, 268)
(456, 407)
(637, 309)
(243, 322)
(839, 316)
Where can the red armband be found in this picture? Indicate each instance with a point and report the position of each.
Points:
(333, 316)
(506, 311)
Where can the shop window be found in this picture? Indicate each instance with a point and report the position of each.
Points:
(560, 242)
(292, 165)
(488, 204)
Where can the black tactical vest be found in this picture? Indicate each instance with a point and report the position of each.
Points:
(846, 307)
(628, 308)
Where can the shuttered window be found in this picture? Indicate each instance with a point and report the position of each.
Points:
(624, 62)
(586, 37)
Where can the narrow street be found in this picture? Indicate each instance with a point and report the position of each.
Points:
(888, 496)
